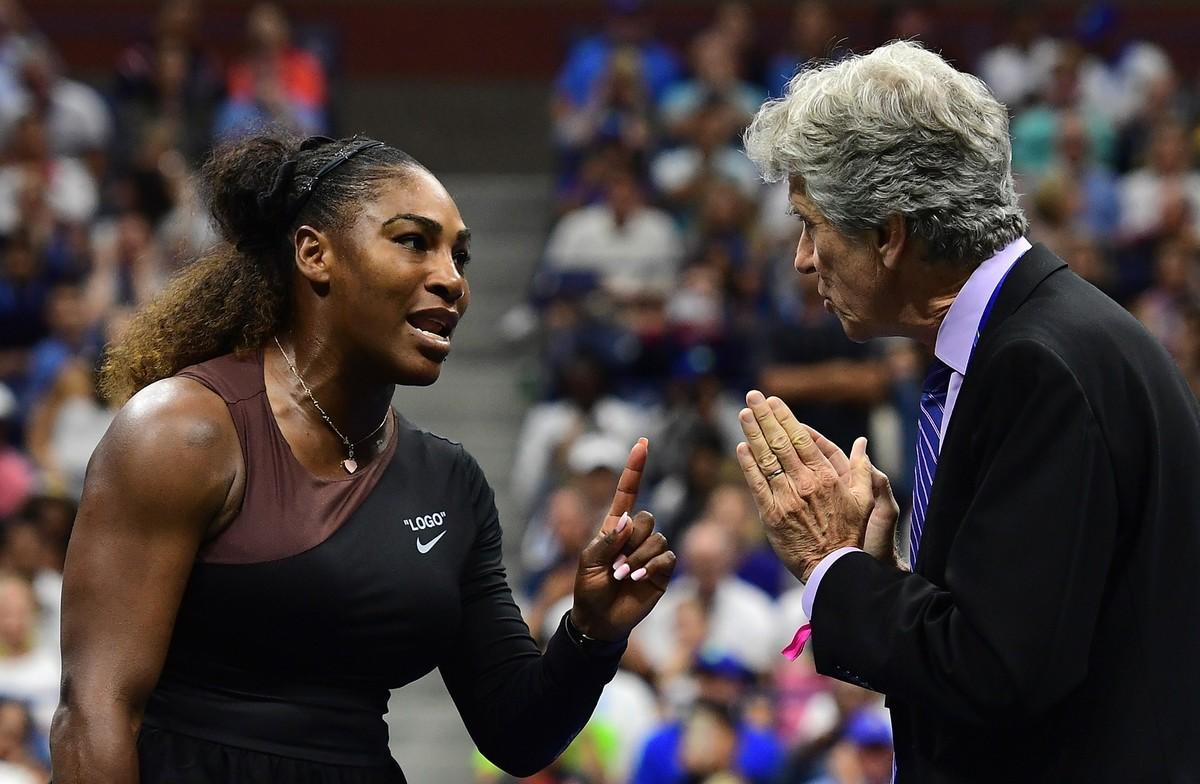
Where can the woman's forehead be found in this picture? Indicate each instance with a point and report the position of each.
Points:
(415, 192)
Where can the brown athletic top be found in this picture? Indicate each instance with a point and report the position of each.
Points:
(278, 484)
(324, 594)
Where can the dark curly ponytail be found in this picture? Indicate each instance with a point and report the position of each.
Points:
(239, 293)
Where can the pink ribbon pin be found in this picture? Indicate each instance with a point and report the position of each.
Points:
(796, 646)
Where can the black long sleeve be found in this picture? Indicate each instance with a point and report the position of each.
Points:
(1008, 634)
(522, 707)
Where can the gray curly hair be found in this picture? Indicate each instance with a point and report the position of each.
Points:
(897, 131)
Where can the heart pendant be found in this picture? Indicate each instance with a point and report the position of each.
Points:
(350, 464)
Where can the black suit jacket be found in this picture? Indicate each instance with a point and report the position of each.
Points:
(1051, 630)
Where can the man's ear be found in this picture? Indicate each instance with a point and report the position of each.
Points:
(313, 254)
(892, 241)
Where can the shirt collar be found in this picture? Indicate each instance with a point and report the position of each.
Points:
(956, 335)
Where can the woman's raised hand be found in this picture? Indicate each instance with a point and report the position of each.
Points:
(625, 569)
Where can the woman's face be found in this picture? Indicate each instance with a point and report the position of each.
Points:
(398, 280)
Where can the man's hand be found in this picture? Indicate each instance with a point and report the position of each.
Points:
(808, 508)
(880, 538)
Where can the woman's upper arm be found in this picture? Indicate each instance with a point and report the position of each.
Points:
(163, 475)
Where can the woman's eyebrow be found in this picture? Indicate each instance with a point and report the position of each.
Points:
(430, 225)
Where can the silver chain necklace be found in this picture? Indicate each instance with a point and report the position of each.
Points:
(350, 464)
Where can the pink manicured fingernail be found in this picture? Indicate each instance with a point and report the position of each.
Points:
(639, 574)
(622, 572)
(617, 564)
(624, 521)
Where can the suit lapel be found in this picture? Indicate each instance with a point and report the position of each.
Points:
(1037, 264)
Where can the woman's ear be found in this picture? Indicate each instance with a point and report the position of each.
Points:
(313, 254)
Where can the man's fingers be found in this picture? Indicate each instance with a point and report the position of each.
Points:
(627, 485)
(779, 449)
(802, 443)
(764, 499)
(796, 430)
(833, 453)
(861, 480)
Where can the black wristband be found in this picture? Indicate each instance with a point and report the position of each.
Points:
(590, 645)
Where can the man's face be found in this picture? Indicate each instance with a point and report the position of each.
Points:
(851, 278)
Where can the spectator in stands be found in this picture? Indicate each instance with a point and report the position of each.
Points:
(629, 29)
(59, 247)
(712, 741)
(1161, 200)
(725, 222)
(170, 79)
(65, 426)
(1017, 69)
(69, 321)
(70, 188)
(680, 498)
(696, 404)
(1165, 307)
(627, 245)
(864, 755)
(1163, 102)
(77, 120)
(29, 664)
(24, 752)
(583, 405)
(1189, 350)
(734, 21)
(683, 174)
(128, 266)
(25, 551)
(813, 37)
(618, 110)
(715, 81)
(1116, 71)
(1036, 130)
(16, 471)
(275, 82)
(54, 517)
(568, 524)
(1086, 191)
(739, 617)
(25, 283)
(1089, 259)
(17, 37)
(731, 506)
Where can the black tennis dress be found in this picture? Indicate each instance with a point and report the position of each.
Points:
(324, 594)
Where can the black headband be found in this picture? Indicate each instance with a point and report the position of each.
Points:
(287, 171)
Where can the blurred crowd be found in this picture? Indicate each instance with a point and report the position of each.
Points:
(98, 207)
(666, 290)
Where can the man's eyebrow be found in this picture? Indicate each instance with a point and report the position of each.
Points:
(430, 225)
(464, 235)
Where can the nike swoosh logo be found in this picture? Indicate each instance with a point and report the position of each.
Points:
(423, 547)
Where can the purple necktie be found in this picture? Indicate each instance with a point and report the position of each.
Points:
(929, 439)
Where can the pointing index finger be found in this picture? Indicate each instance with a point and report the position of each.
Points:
(627, 485)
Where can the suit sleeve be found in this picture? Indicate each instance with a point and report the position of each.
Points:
(1009, 633)
(522, 707)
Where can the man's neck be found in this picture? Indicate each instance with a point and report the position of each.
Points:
(936, 288)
